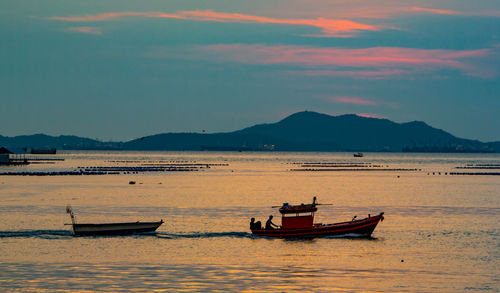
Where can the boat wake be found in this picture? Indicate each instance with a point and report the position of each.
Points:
(351, 236)
(43, 234)
(206, 235)
(65, 234)
(252, 236)
(60, 234)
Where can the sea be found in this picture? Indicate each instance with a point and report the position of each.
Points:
(441, 231)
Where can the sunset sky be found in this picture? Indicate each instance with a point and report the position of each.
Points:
(118, 70)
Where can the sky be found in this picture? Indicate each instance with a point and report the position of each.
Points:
(120, 69)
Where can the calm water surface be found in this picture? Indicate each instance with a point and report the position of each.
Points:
(441, 233)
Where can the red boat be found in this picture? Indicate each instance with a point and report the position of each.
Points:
(297, 221)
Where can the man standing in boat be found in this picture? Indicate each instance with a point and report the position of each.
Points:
(270, 224)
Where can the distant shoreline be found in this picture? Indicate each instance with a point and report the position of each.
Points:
(300, 132)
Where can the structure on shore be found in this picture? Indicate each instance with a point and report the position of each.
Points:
(13, 156)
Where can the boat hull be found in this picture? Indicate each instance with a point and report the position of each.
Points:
(358, 228)
(115, 228)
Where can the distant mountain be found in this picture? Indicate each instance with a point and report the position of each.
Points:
(58, 142)
(302, 131)
(495, 146)
(311, 131)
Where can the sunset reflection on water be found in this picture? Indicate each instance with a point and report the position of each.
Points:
(440, 232)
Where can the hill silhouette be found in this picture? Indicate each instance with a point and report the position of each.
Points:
(302, 131)
(311, 131)
(58, 142)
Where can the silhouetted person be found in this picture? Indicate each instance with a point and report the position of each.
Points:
(255, 225)
(270, 224)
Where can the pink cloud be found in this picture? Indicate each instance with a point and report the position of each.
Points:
(433, 11)
(494, 13)
(360, 101)
(368, 115)
(358, 74)
(376, 10)
(112, 16)
(85, 30)
(353, 100)
(371, 62)
(329, 27)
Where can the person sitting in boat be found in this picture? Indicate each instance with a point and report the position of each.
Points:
(255, 225)
(270, 224)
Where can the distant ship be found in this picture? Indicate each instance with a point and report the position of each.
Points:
(358, 155)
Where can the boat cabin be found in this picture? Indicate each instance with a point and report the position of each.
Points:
(297, 216)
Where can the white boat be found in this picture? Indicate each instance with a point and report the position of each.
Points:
(111, 228)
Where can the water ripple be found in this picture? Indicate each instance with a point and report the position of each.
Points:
(207, 235)
(46, 234)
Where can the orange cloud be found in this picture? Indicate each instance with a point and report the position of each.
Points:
(85, 30)
(368, 62)
(329, 27)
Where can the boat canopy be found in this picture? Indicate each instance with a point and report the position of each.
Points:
(298, 209)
